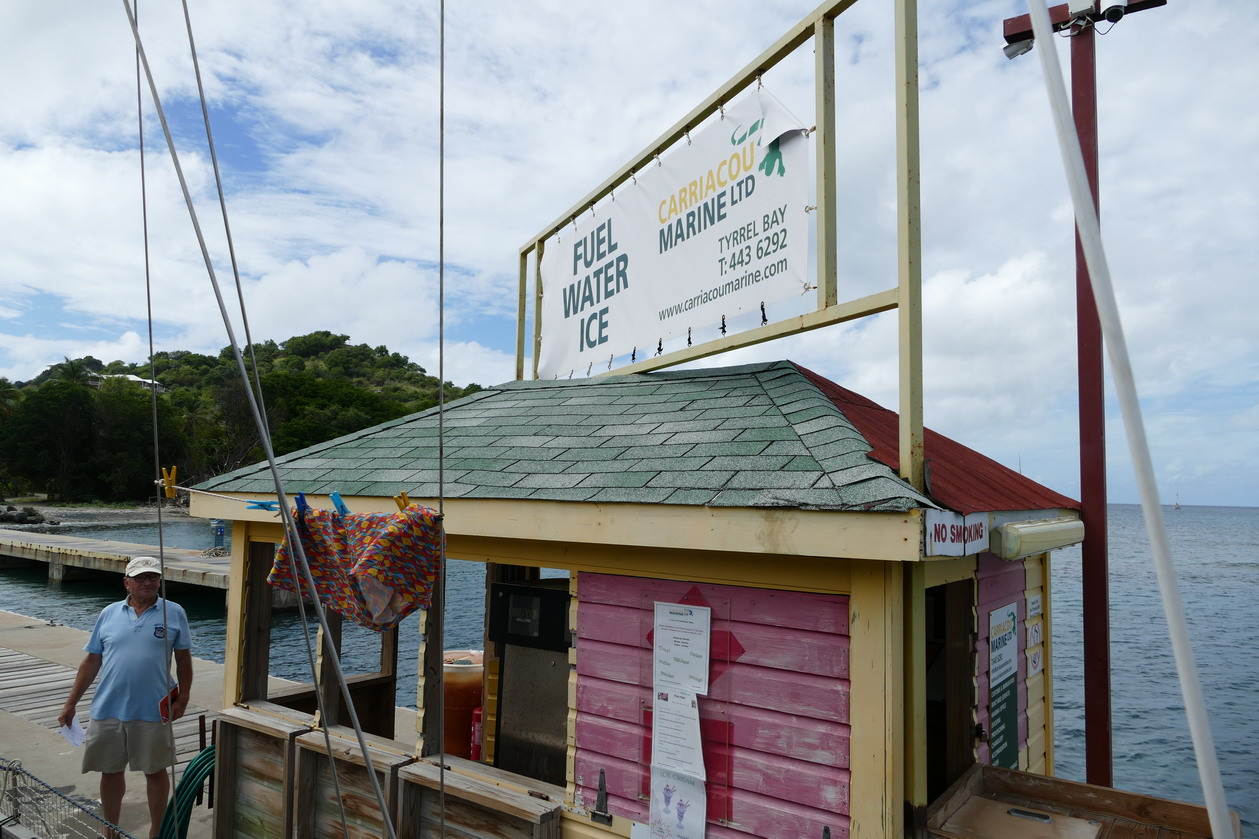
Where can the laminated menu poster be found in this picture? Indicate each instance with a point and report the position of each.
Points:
(675, 741)
(678, 806)
(681, 639)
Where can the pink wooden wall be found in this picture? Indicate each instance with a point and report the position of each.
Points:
(1000, 582)
(774, 725)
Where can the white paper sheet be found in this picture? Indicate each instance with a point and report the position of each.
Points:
(74, 733)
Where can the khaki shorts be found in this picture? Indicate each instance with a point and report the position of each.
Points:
(111, 744)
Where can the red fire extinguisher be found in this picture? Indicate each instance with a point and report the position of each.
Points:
(475, 752)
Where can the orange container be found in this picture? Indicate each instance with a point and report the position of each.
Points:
(461, 680)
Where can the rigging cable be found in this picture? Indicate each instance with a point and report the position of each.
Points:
(285, 511)
(157, 454)
(256, 382)
(438, 632)
(1121, 368)
(255, 385)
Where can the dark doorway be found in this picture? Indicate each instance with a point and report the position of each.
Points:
(950, 684)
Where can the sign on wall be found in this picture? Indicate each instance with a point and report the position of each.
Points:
(1003, 672)
(952, 534)
(716, 229)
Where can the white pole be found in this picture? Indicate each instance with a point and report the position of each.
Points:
(1121, 369)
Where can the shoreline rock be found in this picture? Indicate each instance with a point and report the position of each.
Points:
(25, 515)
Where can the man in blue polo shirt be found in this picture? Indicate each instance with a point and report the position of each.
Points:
(130, 648)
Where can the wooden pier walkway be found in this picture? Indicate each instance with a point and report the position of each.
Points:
(35, 689)
(72, 555)
(38, 662)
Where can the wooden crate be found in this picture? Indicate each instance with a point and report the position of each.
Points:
(991, 802)
(479, 803)
(352, 794)
(254, 763)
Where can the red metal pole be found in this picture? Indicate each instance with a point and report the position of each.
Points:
(1094, 573)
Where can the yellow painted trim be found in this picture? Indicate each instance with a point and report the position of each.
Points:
(735, 530)
(824, 151)
(943, 571)
(770, 571)
(1048, 673)
(909, 243)
(579, 826)
(876, 692)
(1035, 751)
(232, 660)
(1035, 711)
(873, 304)
(1035, 574)
(914, 611)
(522, 307)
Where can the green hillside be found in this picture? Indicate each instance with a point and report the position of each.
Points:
(83, 430)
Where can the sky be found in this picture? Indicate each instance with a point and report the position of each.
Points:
(326, 117)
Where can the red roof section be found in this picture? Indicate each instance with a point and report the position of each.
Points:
(959, 478)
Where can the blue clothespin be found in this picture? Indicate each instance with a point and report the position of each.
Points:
(339, 504)
(269, 506)
(302, 506)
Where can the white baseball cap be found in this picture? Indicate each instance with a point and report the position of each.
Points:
(143, 565)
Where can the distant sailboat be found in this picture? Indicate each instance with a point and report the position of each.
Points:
(1176, 506)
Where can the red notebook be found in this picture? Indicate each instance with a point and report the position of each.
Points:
(163, 707)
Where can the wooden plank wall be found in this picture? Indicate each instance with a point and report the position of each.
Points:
(775, 725)
(1038, 749)
(256, 791)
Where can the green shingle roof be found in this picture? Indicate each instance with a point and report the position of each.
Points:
(754, 436)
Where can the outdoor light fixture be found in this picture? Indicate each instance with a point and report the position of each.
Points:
(1018, 48)
(1024, 538)
(1114, 10)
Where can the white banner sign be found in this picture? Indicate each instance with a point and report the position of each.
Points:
(716, 229)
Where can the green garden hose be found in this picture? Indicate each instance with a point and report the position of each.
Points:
(179, 808)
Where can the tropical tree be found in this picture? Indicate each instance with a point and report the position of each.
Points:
(75, 371)
(48, 440)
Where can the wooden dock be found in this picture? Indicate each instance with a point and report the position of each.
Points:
(38, 662)
(69, 556)
(35, 689)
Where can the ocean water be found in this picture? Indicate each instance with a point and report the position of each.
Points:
(1216, 551)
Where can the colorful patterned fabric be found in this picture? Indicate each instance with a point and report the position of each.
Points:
(371, 568)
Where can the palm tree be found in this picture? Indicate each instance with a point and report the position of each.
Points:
(75, 371)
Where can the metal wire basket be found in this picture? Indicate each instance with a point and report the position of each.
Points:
(47, 812)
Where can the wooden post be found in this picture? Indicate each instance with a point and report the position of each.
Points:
(909, 244)
(432, 673)
(254, 651)
(824, 137)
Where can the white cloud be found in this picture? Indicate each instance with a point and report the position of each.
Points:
(326, 116)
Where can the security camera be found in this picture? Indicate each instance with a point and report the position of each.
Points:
(1114, 10)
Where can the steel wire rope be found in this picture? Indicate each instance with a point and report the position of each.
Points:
(285, 513)
(1138, 447)
(255, 385)
(256, 382)
(157, 451)
(439, 632)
